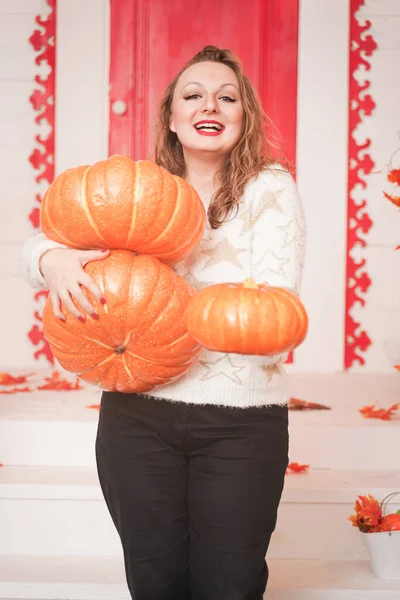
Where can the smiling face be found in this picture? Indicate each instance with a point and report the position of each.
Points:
(206, 111)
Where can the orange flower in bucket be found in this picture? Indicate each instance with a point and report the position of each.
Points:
(368, 515)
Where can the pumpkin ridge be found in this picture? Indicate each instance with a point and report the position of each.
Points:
(127, 370)
(166, 229)
(242, 314)
(134, 206)
(164, 309)
(275, 310)
(96, 366)
(300, 312)
(50, 223)
(137, 376)
(50, 341)
(85, 337)
(147, 360)
(207, 312)
(127, 338)
(164, 255)
(195, 232)
(130, 293)
(148, 303)
(171, 344)
(86, 210)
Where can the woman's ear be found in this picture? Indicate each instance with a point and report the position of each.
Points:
(172, 125)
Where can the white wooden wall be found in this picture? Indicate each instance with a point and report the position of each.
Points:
(18, 188)
(81, 137)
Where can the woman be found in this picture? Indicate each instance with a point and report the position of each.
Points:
(193, 473)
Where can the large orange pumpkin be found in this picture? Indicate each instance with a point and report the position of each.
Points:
(140, 339)
(247, 318)
(123, 204)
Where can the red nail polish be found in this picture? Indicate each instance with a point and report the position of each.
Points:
(103, 300)
(104, 250)
(81, 319)
(95, 315)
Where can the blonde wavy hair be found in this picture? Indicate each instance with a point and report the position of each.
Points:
(252, 153)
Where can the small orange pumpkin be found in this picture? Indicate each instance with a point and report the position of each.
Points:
(391, 522)
(247, 318)
(140, 339)
(123, 204)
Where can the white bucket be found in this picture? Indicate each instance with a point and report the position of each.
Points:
(384, 554)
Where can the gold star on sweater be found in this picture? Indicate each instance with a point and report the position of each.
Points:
(223, 251)
(269, 260)
(268, 201)
(292, 231)
(271, 370)
(223, 366)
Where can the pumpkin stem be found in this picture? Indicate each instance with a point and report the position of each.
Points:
(250, 283)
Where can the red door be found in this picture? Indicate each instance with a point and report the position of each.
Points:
(152, 39)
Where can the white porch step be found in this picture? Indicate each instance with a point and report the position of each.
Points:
(56, 428)
(61, 511)
(66, 578)
(342, 438)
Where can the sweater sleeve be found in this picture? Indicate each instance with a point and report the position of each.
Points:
(277, 238)
(31, 252)
(278, 232)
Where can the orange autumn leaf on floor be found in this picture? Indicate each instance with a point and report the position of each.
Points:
(368, 515)
(16, 390)
(394, 176)
(1, 465)
(296, 404)
(56, 382)
(295, 467)
(7, 379)
(385, 414)
(94, 406)
(394, 199)
(397, 366)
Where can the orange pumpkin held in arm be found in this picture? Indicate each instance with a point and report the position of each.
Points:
(140, 339)
(247, 318)
(122, 204)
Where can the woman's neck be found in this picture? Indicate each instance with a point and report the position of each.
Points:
(200, 173)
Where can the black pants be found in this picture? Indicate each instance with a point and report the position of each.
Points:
(193, 492)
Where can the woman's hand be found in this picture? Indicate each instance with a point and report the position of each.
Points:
(63, 271)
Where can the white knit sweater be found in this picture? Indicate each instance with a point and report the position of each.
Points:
(265, 241)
